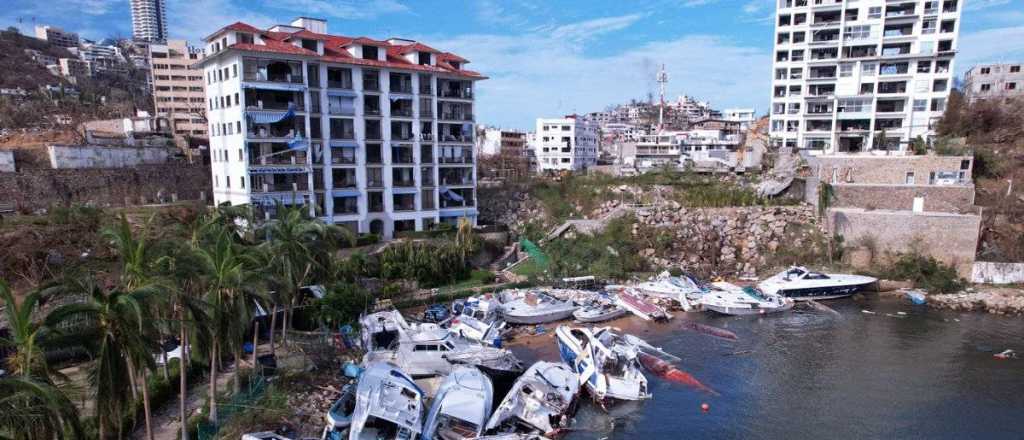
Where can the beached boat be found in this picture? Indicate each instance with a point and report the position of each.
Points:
(477, 319)
(599, 312)
(683, 290)
(801, 283)
(389, 405)
(542, 401)
(461, 407)
(605, 362)
(428, 350)
(730, 299)
(536, 307)
(339, 416)
(629, 300)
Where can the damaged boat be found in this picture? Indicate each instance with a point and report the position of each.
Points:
(683, 290)
(339, 416)
(427, 350)
(535, 307)
(477, 319)
(388, 406)
(606, 363)
(801, 283)
(542, 402)
(631, 301)
(461, 407)
(599, 311)
(730, 299)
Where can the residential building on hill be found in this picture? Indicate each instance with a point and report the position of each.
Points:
(565, 144)
(149, 20)
(861, 76)
(745, 116)
(57, 36)
(178, 88)
(986, 81)
(375, 135)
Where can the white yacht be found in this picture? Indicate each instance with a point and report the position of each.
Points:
(605, 362)
(536, 307)
(461, 407)
(541, 402)
(684, 290)
(730, 299)
(477, 319)
(389, 405)
(801, 283)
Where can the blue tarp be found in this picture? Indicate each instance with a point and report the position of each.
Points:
(288, 87)
(299, 144)
(269, 116)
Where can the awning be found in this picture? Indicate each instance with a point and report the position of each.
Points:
(345, 193)
(287, 87)
(269, 116)
(404, 191)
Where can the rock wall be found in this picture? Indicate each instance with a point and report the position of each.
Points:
(89, 156)
(890, 170)
(937, 198)
(41, 188)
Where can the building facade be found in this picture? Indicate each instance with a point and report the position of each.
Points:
(149, 20)
(861, 76)
(565, 144)
(745, 116)
(179, 92)
(57, 36)
(494, 141)
(73, 68)
(988, 81)
(373, 135)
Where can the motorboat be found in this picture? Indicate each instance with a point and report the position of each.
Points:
(513, 437)
(477, 319)
(605, 362)
(428, 350)
(339, 416)
(599, 311)
(381, 330)
(801, 283)
(536, 307)
(683, 290)
(730, 299)
(631, 301)
(542, 401)
(461, 407)
(389, 405)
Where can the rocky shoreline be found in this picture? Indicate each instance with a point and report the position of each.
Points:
(999, 301)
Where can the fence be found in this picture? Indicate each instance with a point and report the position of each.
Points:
(242, 400)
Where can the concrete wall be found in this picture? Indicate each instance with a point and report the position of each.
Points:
(7, 161)
(87, 156)
(886, 169)
(953, 198)
(40, 189)
(950, 238)
(998, 273)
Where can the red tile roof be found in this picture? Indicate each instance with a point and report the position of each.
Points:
(335, 52)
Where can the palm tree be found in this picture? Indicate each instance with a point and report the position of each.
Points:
(113, 326)
(26, 336)
(31, 409)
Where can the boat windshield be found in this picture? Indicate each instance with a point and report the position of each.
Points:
(753, 293)
(794, 272)
(816, 276)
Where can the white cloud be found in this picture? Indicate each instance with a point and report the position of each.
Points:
(185, 23)
(345, 9)
(585, 30)
(538, 74)
(1004, 44)
(695, 3)
(975, 5)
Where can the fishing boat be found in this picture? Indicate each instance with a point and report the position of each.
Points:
(605, 362)
(599, 312)
(339, 416)
(389, 405)
(542, 402)
(632, 302)
(683, 290)
(801, 283)
(536, 307)
(428, 350)
(730, 299)
(461, 407)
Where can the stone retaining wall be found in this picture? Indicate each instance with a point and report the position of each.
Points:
(937, 198)
(890, 170)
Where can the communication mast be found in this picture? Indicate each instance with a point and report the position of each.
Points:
(662, 80)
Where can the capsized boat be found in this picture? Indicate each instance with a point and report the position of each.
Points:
(427, 350)
(389, 405)
(605, 362)
(629, 300)
(730, 299)
(542, 401)
(461, 407)
(801, 283)
(536, 307)
(339, 416)
(683, 290)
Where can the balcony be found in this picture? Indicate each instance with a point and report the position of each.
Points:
(271, 154)
(464, 138)
(339, 78)
(401, 155)
(371, 84)
(403, 183)
(272, 71)
(457, 116)
(375, 182)
(404, 87)
(404, 202)
(427, 137)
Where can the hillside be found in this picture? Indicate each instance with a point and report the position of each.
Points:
(20, 70)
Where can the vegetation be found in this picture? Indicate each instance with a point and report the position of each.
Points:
(611, 253)
(925, 272)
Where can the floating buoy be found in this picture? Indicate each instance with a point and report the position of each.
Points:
(704, 407)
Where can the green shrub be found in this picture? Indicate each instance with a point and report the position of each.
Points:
(612, 253)
(343, 304)
(925, 272)
(430, 264)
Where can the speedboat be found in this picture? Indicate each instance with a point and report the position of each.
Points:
(630, 300)
(599, 312)
(339, 416)
(461, 407)
(730, 299)
(428, 350)
(541, 402)
(683, 290)
(605, 362)
(477, 319)
(389, 405)
(800, 283)
(536, 307)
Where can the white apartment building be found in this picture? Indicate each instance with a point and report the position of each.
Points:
(861, 76)
(149, 20)
(57, 36)
(565, 144)
(374, 135)
(986, 81)
(745, 116)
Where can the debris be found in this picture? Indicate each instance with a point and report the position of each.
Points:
(896, 316)
(709, 330)
(868, 312)
(821, 307)
(1006, 354)
(916, 297)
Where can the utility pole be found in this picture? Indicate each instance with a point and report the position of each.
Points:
(662, 80)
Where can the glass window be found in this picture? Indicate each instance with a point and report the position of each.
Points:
(846, 69)
(920, 105)
(868, 69)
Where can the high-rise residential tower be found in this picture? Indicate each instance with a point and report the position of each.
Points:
(375, 135)
(149, 20)
(861, 76)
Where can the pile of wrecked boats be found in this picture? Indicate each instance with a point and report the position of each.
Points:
(486, 392)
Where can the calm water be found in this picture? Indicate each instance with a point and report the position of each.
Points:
(816, 375)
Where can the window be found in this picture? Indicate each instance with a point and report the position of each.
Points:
(846, 70)
(910, 178)
(234, 70)
(241, 182)
(1011, 86)
(868, 69)
(939, 104)
(370, 52)
(986, 87)
(939, 85)
(424, 58)
(875, 12)
(986, 70)
(1014, 69)
(924, 67)
(920, 105)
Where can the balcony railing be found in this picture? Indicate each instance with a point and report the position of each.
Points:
(375, 183)
(282, 187)
(276, 159)
(425, 89)
(337, 159)
(403, 183)
(457, 116)
(263, 76)
(457, 138)
(402, 112)
(397, 136)
(402, 87)
(456, 160)
(343, 84)
(371, 84)
(426, 137)
(346, 183)
(460, 94)
(402, 158)
(371, 111)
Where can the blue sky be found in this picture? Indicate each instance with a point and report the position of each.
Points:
(547, 58)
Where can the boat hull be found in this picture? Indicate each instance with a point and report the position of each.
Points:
(618, 313)
(824, 292)
(745, 311)
(601, 390)
(555, 315)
